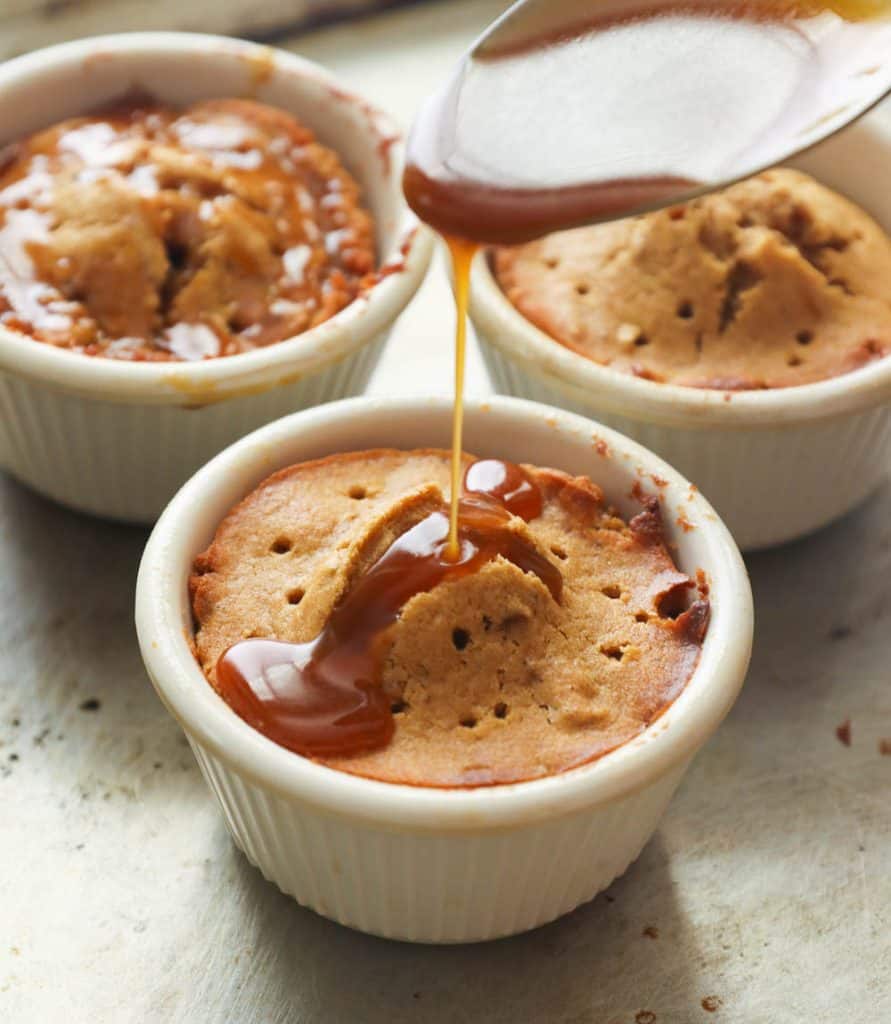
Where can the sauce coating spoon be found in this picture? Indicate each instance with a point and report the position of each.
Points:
(565, 113)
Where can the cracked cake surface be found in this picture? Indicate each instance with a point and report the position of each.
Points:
(489, 678)
(773, 282)
(146, 233)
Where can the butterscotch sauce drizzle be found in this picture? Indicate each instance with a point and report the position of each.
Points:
(462, 253)
(324, 697)
(505, 483)
(146, 233)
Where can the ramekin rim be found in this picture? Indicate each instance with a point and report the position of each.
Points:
(674, 738)
(403, 265)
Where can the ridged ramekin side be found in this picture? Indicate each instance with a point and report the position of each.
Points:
(769, 484)
(436, 888)
(126, 461)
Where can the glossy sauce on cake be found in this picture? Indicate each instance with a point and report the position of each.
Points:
(145, 233)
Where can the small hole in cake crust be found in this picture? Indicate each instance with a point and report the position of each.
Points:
(804, 337)
(559, 552)
(582, 289)
(281, 546)
(612, 651)
(358, 492)
(296, 595)
(612, 591)
(673, 602)
(501, 710)
(794, 360)
(177, 255)
(460, 638)
(641, 617)
(469, 722)
(398, 707)
(552, 263)
(685, 311)
(641, 341)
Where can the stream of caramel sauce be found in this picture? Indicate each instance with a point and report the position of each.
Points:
(461, 253)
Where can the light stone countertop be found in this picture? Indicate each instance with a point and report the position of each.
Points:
(768, 884)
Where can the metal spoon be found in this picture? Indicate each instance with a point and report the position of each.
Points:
(565, 113)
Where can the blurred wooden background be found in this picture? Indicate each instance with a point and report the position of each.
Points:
(29, 24)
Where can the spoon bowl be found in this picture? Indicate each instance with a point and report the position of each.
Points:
(564, 114)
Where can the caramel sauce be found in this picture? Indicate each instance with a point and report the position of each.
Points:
(505, 483)
(462, 253)
(145, 233)
(324, 697)
(511, 215)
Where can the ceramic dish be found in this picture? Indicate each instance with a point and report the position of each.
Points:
(437, 865)
(116, 438)
(776, 464)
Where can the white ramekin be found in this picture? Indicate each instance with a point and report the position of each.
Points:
(436, 865)
(116, 438)
(775, 464)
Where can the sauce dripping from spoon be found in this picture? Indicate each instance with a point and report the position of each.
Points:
(462, 253)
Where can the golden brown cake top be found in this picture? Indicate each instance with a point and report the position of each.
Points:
(773, 282)
(150, 234)
(490, 679)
